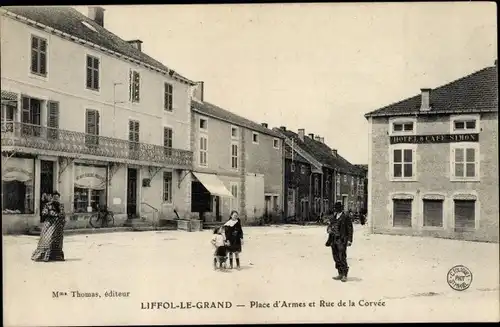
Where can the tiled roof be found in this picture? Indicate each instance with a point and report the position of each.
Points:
(212, 110)
(69, 20)
(9, 96)
(477, 92)
(322, 153)
(296, 156)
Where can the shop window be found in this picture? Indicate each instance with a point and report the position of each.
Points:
(18, 186)
(89, 189)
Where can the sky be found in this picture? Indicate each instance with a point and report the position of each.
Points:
(320, 67)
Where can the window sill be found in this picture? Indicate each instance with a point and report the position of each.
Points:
(433, 228)
(93, 90)
(44, 78)
(465, 230)
(465, 180)
(167, 111)
(167, 204)
(404, 180)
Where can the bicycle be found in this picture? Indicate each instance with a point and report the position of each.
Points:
(103, 218)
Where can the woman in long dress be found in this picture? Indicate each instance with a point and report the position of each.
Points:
(234, 234)
(50, 245)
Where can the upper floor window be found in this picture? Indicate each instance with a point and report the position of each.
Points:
(465, 124)
(403, 162)
(292, 167)
(135, 83)
(169, 97)
(168, 134)
(92, 73)
(203, 124)
(234, 132)
(316, 185)
(302, 169)
(255, 138)
(345, 178)
(402, 126)
(337, 186)
(92, 127)
(167, 187)
(276, 143)
(38, 55)
(464, 162)
(203, 150)
(234, 156)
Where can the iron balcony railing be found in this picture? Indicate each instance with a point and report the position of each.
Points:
(54, 139)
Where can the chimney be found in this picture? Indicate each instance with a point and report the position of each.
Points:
(311, 135)
(317, 138)
(302, 133)
(334, 152)
(198, 91)
(136, 44)
(322, 139)
(283, 128)
(265, 125)
(97, 15)
(426, 96)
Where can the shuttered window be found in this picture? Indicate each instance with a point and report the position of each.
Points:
(234, 156)
(30, 117)
(402, 213)
(433, 213)
(465, 214)
(203, 150)
(167, 140)
(169, 97)
(92, 127)
(92, 73)
(135, 83)
(38, 55)
(52, 120)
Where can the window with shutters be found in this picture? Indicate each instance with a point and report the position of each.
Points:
(302, 169)
(465, 214)
(292, 167)
(92, 73)
(30, 117)
(38, 56)
(352, 185)
(168, 140)
(234, 156)
(403, 162)
(316, 185)
(135, 83)
(234, 132)
(167, 187)
(168, 104)
(203, 150)
(433, 213)
(464, 162)
(133, 138)
(92, 127)
(52, 120)
(401, 213)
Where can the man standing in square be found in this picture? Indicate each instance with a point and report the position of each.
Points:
(340, 232)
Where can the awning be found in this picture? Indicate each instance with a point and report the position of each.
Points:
(213, 184)
(8, 96)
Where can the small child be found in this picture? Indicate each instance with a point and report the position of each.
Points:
(220, 243)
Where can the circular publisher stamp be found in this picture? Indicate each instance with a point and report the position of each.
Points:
(459, 278)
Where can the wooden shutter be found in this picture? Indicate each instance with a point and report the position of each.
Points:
(43, 56)
(91, 122)
(52, 119)
(130, 97)
(26, 110)
(95, 82)
(433, 213)
(34, 54)
(465, 215)
(402, 213)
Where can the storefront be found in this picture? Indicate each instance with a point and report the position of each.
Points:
(90, 188)
(18, 186)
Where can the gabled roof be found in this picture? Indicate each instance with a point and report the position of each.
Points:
(296, 156)
(211, 110)
(322, 152)
(474, 93)
(70, 21)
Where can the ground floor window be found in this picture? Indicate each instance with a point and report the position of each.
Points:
(90, 188)
(465, 214)
(433, 213)
(18, 186)
(401, 212)
(167, 186)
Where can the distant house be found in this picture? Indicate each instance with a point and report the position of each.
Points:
(363, 188)
(433, 167)
(238, 165)
(331, 179)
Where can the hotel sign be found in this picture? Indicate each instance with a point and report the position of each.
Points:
(436, 138)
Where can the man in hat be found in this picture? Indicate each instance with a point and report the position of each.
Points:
(340, 232)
